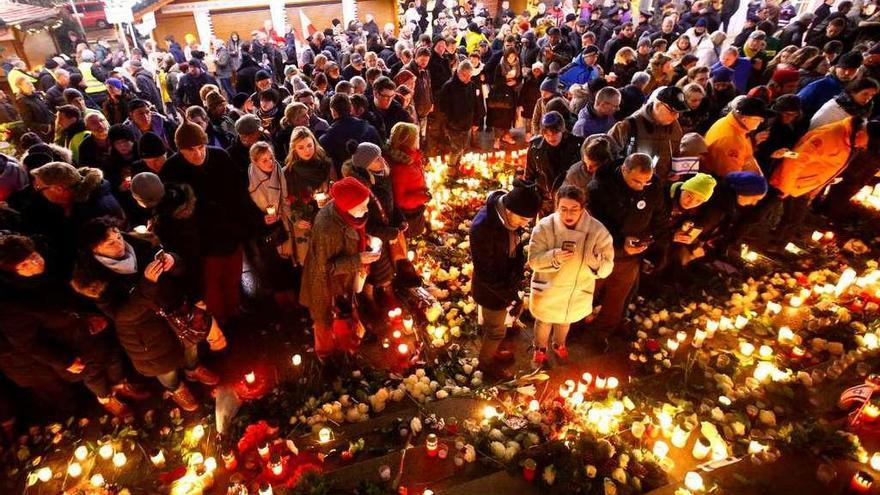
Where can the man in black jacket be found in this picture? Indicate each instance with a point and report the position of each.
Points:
(345, 128)
(146, 85)
(34, 110)
(549, 157)
(223, 210)
(384, 110)
(628, 200)
(499, 261)
(187, 93)
(458, 102)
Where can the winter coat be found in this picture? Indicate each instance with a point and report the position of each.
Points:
(563, 293)
(223, 64)
(440, 71)
(578, 176)
(35, 113)
(174, 223)
(132, 302)
(823, 153)
(161, 126)
(332, 266)
(498, 269)
(116, 109)
(246, 74)
(187, 92)
(423, 97)
(547, 165)
(530, 93)
(343, 130)
(818, 92)
(222, 203)
(730, 148)
(148, 90)
(408, 179)
(742, 70)
(640, 133)
(578, 72)
(384, 120)
(589, 123)
(458, 102)
(623, 211)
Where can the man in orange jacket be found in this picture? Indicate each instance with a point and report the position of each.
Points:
(728, 140)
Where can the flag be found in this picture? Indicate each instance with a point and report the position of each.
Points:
(307, 28)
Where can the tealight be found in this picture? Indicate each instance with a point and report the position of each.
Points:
(785, 335)
(795, 301)
(408, 324)
(44, 474)
(680, 436)
(97, 480)
(250, 378)
(600, 382)
(198, 432)
(693, 481)
(660, 449)
(74, 470)
(612, 383)
(141, 229)
(701, 450)
(119, 459)
(105, 451)
(765, 351)
(490, 412)
(375, 244)
(587, 378)
(755, 447)
(324, 435)
(210, 464)
(699, 337)
(672, 345)
(297, 360)
(81, 453)
(746, 348)
(534, 405)
(740, 322)
(773, 307)
(875, 461)
(158, 458)
(681, 336)
(403, 349)
(817, 236)
(711, 327)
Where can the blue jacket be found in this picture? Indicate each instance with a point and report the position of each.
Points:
(742, 71)
(818, 92)
(498, 275)
(588, 123)
(578, 72)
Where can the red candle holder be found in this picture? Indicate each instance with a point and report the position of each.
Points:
(861, 482)
(529, 468)
(431, 445)
(230, 462)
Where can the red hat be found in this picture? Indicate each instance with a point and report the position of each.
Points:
(348, 193)
(784, 75)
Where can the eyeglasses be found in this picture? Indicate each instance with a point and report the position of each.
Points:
(385, 96)
(42, 188)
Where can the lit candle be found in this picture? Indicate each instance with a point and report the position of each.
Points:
(265, 489)
(612, 383)
(587, 378)
(534, 405)
(297, 360)
(765, 351)
(396, 334)
(829, 236)
(97, 480)
(577, 399)
(875, 461)
(660, 449)
(403, 349)
(773, 307)
(681, 336)
(321, 199)
(250, 378)
(798, 352)
(410, 255)
(44, 474)
(324, 435)
(270, 210)
(600, 382)
(680, 436)
(711, 328)
(817, 236)
(431, 445)
(119, 459)
(846, 279)
(746, 348)
(693, 482)
(724, 323)
(158, 458)
(263, 450)
(106, 451)
(74, 470)
(408, 324)
(210, 464)
(141, 229)
(795, 301)
(276, 465)
(701, 450)
(230, 462)
(861, 482)
(490, 412)
(741, 322)
(672, 345)
(755, 447)
(699, 337)
(375, 244)
(785, 336)
(198, 432)
(81, 453)
(870, 412)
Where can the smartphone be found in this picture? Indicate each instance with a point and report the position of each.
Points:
(159, 255)
(569, 246)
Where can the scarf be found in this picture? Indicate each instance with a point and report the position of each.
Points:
(127, 265)
(266, 189)
(358, 224)
(848, 105)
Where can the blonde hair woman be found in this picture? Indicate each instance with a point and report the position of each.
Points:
(660, 69)
(625, 65)
(307, 178)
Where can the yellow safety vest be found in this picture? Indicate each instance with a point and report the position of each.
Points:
(93, 85)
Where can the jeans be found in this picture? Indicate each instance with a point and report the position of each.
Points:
(494, 331)
(543, 331)
(171, 379)
(226, 84)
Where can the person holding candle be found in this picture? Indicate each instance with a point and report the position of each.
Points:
(384, 221)
(270, 252)
(338, 259)
(134, 285)
(568, 251)
(499, 261)
(307, 172)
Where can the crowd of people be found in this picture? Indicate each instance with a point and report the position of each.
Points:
(143, 185)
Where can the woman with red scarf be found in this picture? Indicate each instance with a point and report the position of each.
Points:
(336, 268)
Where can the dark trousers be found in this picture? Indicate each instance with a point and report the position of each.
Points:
(226, 84)
(221, 276)
(494, 330)
(794, 213)
(102, 371)
(614, 293)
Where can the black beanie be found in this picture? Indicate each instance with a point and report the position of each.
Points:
(151, 146)
(120, 132)
(523, 199)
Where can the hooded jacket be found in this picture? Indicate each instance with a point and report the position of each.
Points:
(730, 148)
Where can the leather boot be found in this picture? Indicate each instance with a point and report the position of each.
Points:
(184, 398)
(406, 276)
(130, 391)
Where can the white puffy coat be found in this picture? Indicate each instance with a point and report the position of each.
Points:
(564, 293)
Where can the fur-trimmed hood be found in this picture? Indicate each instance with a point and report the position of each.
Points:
(92, 181)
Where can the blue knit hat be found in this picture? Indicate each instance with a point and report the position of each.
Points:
(721, 74)
(747, 183)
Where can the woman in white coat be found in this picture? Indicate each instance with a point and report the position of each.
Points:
(568, 251)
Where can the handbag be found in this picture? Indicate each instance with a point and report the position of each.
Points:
(190, 323)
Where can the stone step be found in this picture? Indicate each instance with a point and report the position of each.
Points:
(497, 482)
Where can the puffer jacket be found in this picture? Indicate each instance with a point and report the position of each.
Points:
(563, 293)
(730, 148)
(823, 153)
